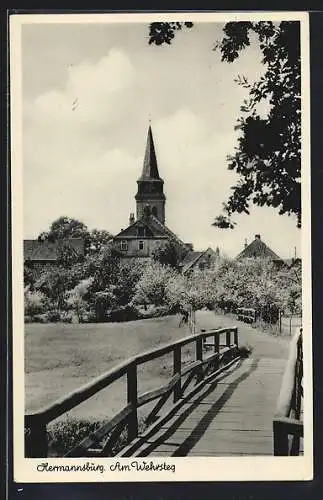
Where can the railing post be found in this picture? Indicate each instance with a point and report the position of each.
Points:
(177, 364)
(216, 343)
(36, 445)
(236, 339)
(199, 357)
(228, 338)
(281, 442)
(132, 396)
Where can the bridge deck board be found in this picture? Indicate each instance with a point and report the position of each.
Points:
(231, 418)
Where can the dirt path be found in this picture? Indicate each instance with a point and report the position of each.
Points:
(263, 344)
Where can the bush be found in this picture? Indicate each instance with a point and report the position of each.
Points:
(53, 316)
(156, 312)
(65, 435)
(124, 313)
(34, 302)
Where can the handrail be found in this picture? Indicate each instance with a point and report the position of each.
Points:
(37, 421)
(285, 398)
(74, 398)
(287, 420)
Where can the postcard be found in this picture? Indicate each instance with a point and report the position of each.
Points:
(161, 249)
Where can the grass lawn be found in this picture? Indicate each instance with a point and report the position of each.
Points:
(61, 357)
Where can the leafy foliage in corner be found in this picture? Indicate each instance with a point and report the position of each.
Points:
(268, 155)
(160, 33)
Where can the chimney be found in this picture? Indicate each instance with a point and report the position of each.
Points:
(257, 236)
(131, 219)
(245, 243)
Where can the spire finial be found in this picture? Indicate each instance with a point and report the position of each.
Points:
(149, 118)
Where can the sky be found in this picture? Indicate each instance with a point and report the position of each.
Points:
(88, 94)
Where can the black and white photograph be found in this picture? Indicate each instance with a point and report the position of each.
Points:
(161, 247)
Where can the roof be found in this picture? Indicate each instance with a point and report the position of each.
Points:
(258, 248)
(148, 226)
(150, 168)
(192, 258)
(47, 251)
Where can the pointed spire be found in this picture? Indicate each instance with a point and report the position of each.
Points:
(150, 168)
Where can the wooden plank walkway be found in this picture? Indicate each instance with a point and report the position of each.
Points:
(233, 416)
(230, 417)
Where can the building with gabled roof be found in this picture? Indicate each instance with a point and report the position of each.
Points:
(258, 249)
(40, 254)
(39, 251)
(200, 259)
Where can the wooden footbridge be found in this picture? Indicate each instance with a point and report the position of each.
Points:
(218, 401)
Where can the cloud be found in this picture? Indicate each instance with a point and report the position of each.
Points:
(91, 96)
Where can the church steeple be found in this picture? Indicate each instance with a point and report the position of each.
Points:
(150, 168)
(150, 184)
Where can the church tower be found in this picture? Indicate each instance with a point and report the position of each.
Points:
(150, 185)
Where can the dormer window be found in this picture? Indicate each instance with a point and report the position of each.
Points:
(140, 245)
(124, 245)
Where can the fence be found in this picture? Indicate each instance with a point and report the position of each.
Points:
(288, 426)
(102, 441)
(285, 325)
(288, 323)
(247, 315)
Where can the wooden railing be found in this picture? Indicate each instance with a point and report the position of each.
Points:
(288, 426)
(247, 314)
(101, 442)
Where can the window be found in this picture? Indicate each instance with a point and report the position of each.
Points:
(140, 245)
(154, 211)
(124, 245)
(141, 231)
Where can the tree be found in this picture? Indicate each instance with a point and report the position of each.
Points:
(65, 227)
(152, 285)
(169, 254)
(76, 298)
(54, 283)
(97, 240)
(268, 156)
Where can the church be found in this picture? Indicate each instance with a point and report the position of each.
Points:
(148, 231)
(145, 232)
